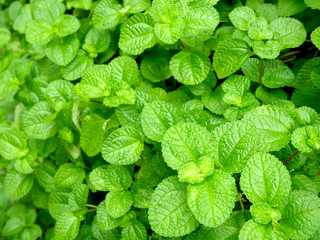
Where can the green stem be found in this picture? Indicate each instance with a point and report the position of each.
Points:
(316, 53)
(291, 157)
(260, 74)
(289, 54)
(241, 204)
(181, 44)
(90, 205)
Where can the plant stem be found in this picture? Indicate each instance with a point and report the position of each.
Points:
(181, 44)
(290, 59)
(92, 210)
(289, 54)
(260, 74)
(241, 204)
(95, 101)
(291, 157)
(316, 53)
(90, 205)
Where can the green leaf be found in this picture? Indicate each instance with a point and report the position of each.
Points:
(67, 226)
(92, 134)
(107, 14)
(13, 144)
(48, 10)
(17, 185)
(121, 93)
(289, 32)
(259, 29)
(314, 4)
(234, 143)
(96, 41)
(136, 6)
(169, 32)
(306, 139)
(303, 78)
(315, 76)
(32, 232)
(13, 226)
(255, 231)
(241, 16)
(68, 174)
(212, 201)
(268, 97)
(166, 11)
(201, 18)
(62, 51)
(267, 50)
(59, 202)
(157, 117)
(190, 67)
(82, 4)
(9, 85)
(265, 179)
(141, 195)
(77, 67)
(300, 216)
(100, 234)
(105, 221)
(315, 37)
(262, 213)
(230, 55)
(118, 203)
(274, 126)
(134, 231)
(123, 146)
(59, 94)
(39, 122)
(267, 10)
(302, 182)
(79, 196)
(306, 115)
(22, 19)
(39, 32)
(44, 173)
(180, 146)
(169, 214)
(66, 25)
(5, 36)
(289, 8)
(213, 100)
(137, 34)
(155, 65)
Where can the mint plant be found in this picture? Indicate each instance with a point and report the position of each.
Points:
(175, 119)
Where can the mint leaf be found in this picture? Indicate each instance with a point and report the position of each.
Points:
(263, 213)
(252, 230)
(306, 139)
(190, 67)
(66, 25)
(39, 32)
(241, 16)
(315, 37)
(107, 14)
(169, 214)
(134, 230)
(13, 144)
(212, 201)
(5, 36)
(17, 185)
(68, 174)
(118, 203)
(59, 94)
(123, 146)
(267, 50)
(230, 55)
(265, 179)
(67, 226)
(104, 220)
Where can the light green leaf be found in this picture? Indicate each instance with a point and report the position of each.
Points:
(259, 29)
(169, 32)
(241, 16)
(234, 143)
(137, 34)
(121, 93)
(315, 76)
(306, 139)
(209, 83)
(262, 213)
(268, 97)
(123, 146)
(306, 115)
(180, 146)
(213, 100)
(22, 19)
(134, 231)
(166, 11)
(105, 221)
(265, 179)
(13, 144)
(67, 226)
(44, 173)
(169, 214)
(118, 203)
(59, 94)
(212, 201)
(66, 25)
(62, 51)
(107, 14)
(201, 18)
(190, 67)
(136, 6)
(314, 4)
(59, 202)
(79, 196)
(255, 231)
(100, 234)
(96, 41)
(82, 4)
(301, 215)
(141, 195)
(39, 32)
(315, 37)
(267, 50)
(17, 185)
(39, 122)
(289, 8)
(5, 36)
(48, 10)
(289, 32)
(92, 134)
(77, 67)
(68, 174)
(13, 226)
(267, 10)
(230, 55)
(302, 182)
(274, 126)
(9, 85)
(32, 232)
(155, 65)
(157, 117)
(123, 68)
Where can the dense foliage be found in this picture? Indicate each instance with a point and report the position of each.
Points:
(164, 119)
